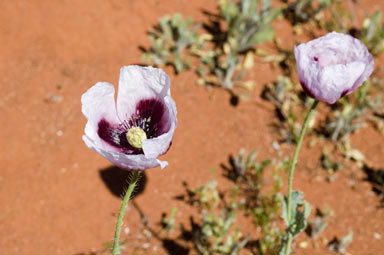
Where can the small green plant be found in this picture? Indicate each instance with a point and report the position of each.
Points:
(169, 224)
(266, 216)
(329, 163)
(352, 112)
(372, 33)
(288, 104)
(217, 234)
(304, 11)
(247, 25)
(319, 223)
(344, 121)
(340, 246)
(281, 94)
(261, 204)
(170, 40)
(296, 222)
(226, 54)
(246, 168)
(341, 19)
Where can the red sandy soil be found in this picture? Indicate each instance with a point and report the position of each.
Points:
(53, 199)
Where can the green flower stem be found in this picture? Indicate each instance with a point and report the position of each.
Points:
(119, 223)
(292, 170)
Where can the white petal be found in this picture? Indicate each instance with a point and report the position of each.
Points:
(338, 79)
(367, 72)
(98, 102)
(129, 162)
(136, 83)
(162, 163)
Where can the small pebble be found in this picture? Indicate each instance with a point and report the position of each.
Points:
(147, 233)
(377, 236)
(303, 244)
(276, 145)
(351, 182)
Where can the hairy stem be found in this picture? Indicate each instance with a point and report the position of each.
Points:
(119, 223)
(292, 170)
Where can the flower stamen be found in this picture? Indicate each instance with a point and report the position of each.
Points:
(136, 136)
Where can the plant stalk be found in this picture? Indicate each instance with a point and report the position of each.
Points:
(119, 223)
(292, 170)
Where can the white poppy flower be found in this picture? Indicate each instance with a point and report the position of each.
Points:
(135, 131)
(333, 66)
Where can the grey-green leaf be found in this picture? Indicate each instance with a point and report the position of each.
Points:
(300, 210)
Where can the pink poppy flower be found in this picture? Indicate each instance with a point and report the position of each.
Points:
(333, 66)
(135, 131)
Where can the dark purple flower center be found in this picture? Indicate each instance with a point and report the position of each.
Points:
(150, 115)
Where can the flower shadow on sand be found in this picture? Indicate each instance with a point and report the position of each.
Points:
(117, 181)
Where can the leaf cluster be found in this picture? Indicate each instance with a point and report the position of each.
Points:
(289, 101)
(247, 24)
(225, 52)
(261, 204)
(170, 40)
(217, 234)
(305, 11)
(372, 33)
(350, 113)
(296, 222)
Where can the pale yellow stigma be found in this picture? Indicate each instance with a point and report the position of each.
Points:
(136, 136)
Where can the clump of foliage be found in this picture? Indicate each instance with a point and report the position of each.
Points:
(289, 101)
(247, 24)
(350, 113)
(303, 11)
(246, 169)
(340, 245)
(217, 234)
(169, 224)
(225, 54)
(170, 40)
(281, 94)
(329, 163)
(372, 33)
(297, 223)
(261, 205)
(319, 223)
(340, 20)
